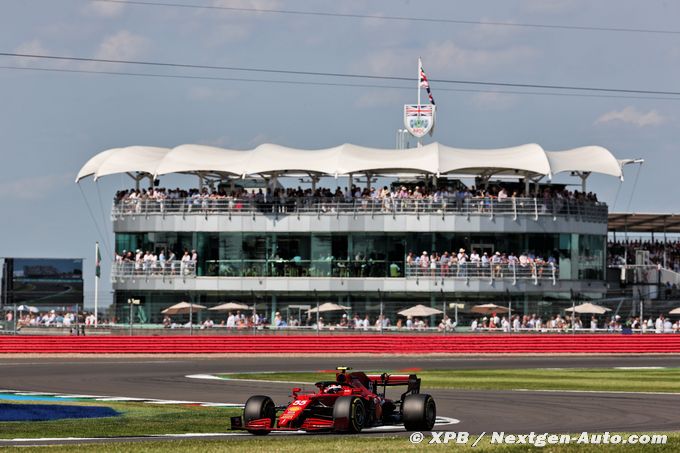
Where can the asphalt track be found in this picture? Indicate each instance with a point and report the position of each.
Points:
(478, 411)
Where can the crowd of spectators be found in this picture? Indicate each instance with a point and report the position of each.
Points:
(557, 323)
(494, 322)
(495, 265)
(50, 318)
(233, 321)
(664, 253)
(165, 262)
(397, 197)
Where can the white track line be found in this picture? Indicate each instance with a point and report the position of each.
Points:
(84, 397)
(154, 436)
(33, 394)
(172, 402)
(441, 421)
(114, 399)
(221, 405)
(213, 377)
(640, 368)
(208, 376)
(204, 376)
(615, 392)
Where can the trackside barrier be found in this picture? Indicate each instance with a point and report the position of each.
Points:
(343, 344)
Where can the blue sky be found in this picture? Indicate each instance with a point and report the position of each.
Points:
(51, 123)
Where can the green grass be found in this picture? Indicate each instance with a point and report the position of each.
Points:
(315, 444)
(146, 419)
(596, 379)
(135, 419)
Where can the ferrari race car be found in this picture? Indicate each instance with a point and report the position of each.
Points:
(347, 405)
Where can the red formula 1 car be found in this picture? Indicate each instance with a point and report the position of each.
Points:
(347, 405)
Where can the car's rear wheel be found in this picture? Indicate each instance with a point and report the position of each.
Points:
(257, 407)
(349, 414)
(419, 412)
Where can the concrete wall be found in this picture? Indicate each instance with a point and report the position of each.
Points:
(360, 223)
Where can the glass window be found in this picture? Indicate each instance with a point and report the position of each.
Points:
(328, 254)
(591, 257)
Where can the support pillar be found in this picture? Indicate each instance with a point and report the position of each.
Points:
(273, 312)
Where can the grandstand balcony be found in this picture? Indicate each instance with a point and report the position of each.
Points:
(505, 284)
(485, 214)
(347, 276)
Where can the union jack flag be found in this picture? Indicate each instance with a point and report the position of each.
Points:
(424, 83)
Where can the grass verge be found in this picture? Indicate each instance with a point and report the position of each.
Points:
(299, 444)
(136, 419)
(595, 379)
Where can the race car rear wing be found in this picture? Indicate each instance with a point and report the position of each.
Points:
(395, 379)
(389, 380)
(373, 381)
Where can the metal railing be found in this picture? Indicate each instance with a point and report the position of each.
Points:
(534, 271)
(340, 269)
(167, 269)
(646, 274)
(326, 329)
(304, 268)
(587, 211)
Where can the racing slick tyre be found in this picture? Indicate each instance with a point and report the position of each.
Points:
(419, 412)
(259, 406)
(349, 414)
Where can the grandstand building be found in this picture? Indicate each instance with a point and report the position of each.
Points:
(539, 246)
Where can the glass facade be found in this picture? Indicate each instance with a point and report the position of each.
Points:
(578, 256)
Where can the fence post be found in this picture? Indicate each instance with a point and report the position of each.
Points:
(535, 209)
(554, 282)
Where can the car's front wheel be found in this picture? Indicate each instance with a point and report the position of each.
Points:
(258, 407)
(349, 414)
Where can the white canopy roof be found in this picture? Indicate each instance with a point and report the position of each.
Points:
(434, 158)
(595, 159)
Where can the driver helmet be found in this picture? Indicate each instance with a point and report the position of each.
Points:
(333, 388)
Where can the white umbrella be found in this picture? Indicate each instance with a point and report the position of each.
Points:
(675, 311)
(28, 308)
(182, 308)
(328, 306)
(230, 306)
(589, 308)
(420, 310)
(486, 309)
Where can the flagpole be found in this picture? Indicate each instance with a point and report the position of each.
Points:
(96, 284)
(420, 65)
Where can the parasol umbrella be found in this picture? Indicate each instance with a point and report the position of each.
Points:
(328, 306)
(589, 308)
(420, 310)
(486, 309)
(675, 311)
(229, 306)
(28, 308)
(183, 308)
